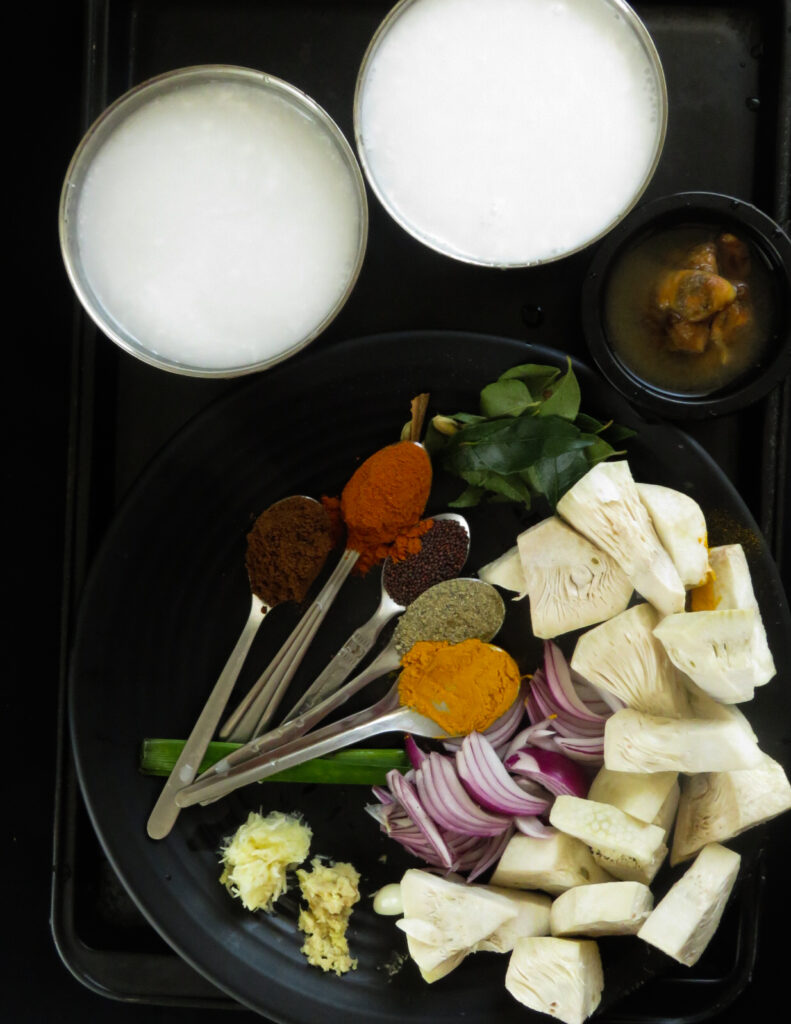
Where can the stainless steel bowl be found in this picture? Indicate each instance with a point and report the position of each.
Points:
(93, 141)
(620, 8)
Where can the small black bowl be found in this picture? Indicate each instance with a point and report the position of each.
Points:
(694, 209)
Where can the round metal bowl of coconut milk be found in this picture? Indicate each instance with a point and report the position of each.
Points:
(510, 133)
(213, 221)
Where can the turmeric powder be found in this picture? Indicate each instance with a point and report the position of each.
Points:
(462, 687)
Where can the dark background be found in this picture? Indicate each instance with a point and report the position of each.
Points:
(43, 98)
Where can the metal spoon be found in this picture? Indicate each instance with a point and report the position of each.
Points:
(388, 660)
(387, 715)
(362, 640)
(165, 812)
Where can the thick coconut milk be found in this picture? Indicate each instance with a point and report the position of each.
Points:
(510, 131)
(219, 224)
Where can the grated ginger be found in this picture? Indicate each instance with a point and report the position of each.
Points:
(256, 858)
(330, 892)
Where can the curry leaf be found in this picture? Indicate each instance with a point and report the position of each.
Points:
(510, 445)
(468, 498)
(505, 398)
(552, 477)
(564, 398)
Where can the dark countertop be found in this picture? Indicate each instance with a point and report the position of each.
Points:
(37, 986)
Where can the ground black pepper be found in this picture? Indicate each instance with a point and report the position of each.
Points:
(286, 549)
(442, 554)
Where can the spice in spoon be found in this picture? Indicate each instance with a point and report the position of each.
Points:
(384, 500)
(453, 610)
(443, 552)
(462, 687)
(287, 548)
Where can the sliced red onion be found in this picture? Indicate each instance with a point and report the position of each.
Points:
(558, 676)
(486, 779)
(384, 796)
(529, 825)
(403, 792)
(587, 750)
(448, 803)
(413, 752)
(489, 854)
(556, 772)
(593, 694)
(539, 734)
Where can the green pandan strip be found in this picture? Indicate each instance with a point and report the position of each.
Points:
(357, 767)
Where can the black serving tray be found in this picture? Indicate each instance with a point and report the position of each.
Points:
(727, 69)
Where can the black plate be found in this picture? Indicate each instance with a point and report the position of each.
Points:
(167, 598)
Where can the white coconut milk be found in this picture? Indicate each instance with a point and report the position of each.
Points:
(508, 131)
(219, 224)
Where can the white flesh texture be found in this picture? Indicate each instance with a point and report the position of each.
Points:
(506, 572)
(560, 977)
(624, 658)
(716, 806)
(628, 848)
(643, 796)
(732, 587)
(443, 918)
(532, 918)
(570, 582)
(704, 706)
(553, 864)
(715, 649)
(605, 506)
(667, 812)
(683, 923)
(610, 908)
(634, 742)
(681, 527)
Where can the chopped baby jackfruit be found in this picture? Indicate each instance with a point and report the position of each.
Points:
(683, 923)
(553, 864)
(623, 657)
(634, 742)
(716, 806)
(570, 582)
(628, 848)
(561, 977)
(606, 507)
(610, 908)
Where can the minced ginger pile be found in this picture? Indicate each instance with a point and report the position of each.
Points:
(256, 860)
(330, 892)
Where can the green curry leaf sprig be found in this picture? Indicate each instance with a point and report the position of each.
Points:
(529, 439)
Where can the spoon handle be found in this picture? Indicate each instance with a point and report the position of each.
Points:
(387, 661)
(264, 696)
(385, 716)
(348, 658)
(165, 812)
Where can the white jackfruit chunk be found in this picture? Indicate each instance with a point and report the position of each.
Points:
(634, 742)
(628, 848)
(606, 507)
(731, 588)
(683, 923)
(506, 572)
(532, 918)
(624, 658)
(716, 806)
(704, 706)
(681, 527)
(610, 908)
(553, 864)
(560, 977)
(715, 649)
(444, 920)
(571, 583)
(650, 798)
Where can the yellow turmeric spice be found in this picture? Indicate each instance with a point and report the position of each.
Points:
(462, 687)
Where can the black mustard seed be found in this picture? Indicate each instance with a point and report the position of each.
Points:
(441, 557)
